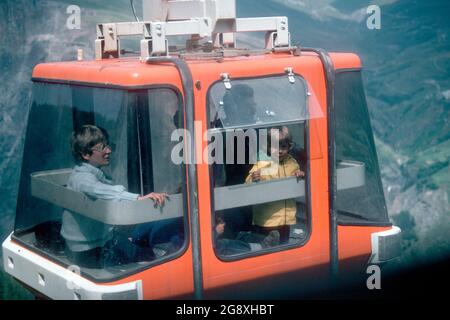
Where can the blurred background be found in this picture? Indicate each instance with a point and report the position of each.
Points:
(406, 73)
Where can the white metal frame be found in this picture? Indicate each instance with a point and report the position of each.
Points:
(57, 282)
(214, 19)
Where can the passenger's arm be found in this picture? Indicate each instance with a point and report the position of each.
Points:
(98, 190)
(158, 198)
(297, 172)
(252, 174)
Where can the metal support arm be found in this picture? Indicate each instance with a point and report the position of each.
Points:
(155, 33)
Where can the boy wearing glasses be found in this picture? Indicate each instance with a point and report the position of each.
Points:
(277, 215)
(88, 242)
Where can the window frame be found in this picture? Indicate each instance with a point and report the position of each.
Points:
(360, 222)
(16, 235)
(308, 198)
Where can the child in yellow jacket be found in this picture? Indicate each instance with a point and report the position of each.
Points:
(276, 215)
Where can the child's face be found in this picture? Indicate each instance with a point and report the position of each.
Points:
(220, 228)
(279, 146)
(283, 150)
(100, 155)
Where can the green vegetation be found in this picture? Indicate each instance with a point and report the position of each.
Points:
(437, 240)
(406, 222)
(429, 169)
(11, 289)
(386, 154)
(409, 110)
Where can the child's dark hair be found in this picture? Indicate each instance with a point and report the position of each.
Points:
(285, 137)
(84, 139)
(219, 219)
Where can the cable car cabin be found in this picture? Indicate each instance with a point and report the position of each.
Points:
(192, 126)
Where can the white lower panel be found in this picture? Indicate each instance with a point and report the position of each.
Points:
(386, 245)
(60, 283)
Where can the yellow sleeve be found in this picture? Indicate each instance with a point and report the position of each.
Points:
(295, 166)
(249, 176)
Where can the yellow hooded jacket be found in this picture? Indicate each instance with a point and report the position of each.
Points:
(277, 213)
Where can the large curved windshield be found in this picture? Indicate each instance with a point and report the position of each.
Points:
(107, 235)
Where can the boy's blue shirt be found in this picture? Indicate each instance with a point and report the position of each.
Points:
(82, 233)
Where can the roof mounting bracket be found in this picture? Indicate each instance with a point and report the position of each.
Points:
(107, 43)
(213, 19)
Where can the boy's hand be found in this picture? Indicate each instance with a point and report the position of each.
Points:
(256, 176)
(158, 198)
(299, 174)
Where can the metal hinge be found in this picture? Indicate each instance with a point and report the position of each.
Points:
(290, 73)
(226, 80)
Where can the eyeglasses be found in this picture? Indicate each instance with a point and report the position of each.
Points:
(102, 148)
